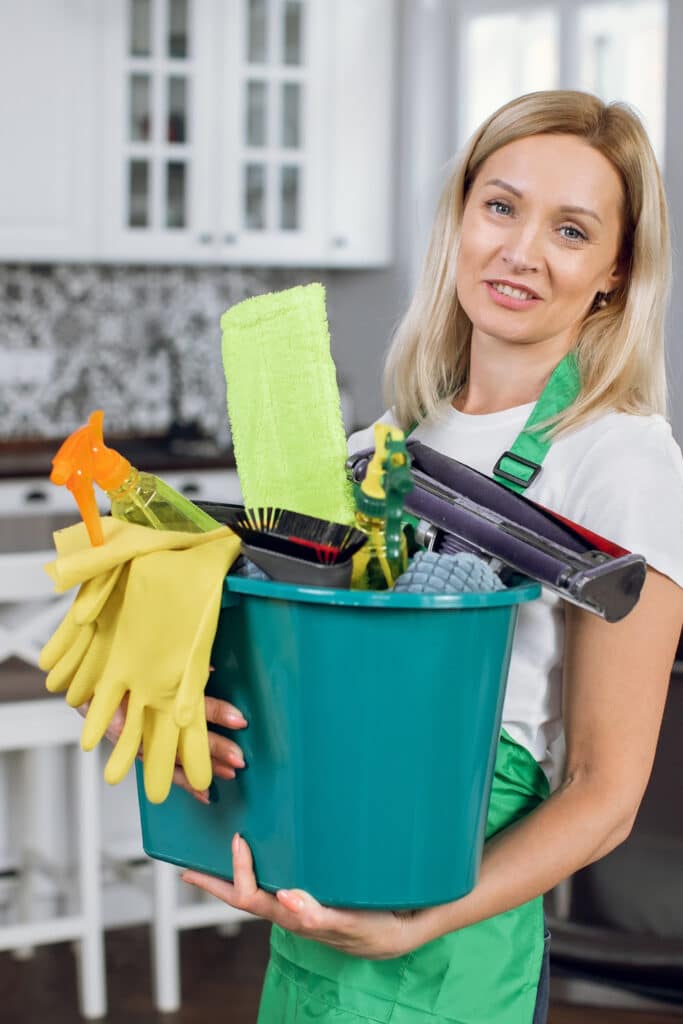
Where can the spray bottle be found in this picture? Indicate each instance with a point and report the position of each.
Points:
(379, 508)
(142, 498)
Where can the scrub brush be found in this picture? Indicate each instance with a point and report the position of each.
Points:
(294, 534)
(432, 573)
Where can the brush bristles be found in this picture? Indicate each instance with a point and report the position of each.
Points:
(309, 538)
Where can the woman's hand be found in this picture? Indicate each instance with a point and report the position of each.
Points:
(226, 755)
(372, 934)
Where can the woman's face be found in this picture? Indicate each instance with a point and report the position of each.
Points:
(540, 238)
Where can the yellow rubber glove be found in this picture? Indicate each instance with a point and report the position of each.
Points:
(159, 656)
(77, 560)
(66, 649)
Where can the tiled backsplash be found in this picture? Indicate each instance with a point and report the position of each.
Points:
(143, 343)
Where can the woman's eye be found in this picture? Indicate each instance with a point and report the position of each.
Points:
(498, 206)
(572, 234)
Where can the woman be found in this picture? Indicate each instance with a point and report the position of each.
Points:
(547, 272)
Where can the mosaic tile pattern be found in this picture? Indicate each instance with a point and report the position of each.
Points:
(141, 343)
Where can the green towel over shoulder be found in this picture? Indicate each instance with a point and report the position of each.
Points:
(284, 406)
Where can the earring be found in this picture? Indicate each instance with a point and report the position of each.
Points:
(601, 300)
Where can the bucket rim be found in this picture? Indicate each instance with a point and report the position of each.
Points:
(525, 590)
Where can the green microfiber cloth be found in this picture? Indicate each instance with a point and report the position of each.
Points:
(283, 403)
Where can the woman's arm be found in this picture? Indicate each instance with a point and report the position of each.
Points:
(614, 687)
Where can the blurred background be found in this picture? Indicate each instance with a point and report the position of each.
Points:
(162, 160)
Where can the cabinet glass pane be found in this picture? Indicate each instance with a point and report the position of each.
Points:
(176, 190)
(257, 32)
(622, 56)
(293, 32)
(289, 198)
(291, 115)
(140, 111)
(140, 28)
(177, 109)
(507, 54)
(138, 194)
(255, 197)
(177, 28)
(257, 98)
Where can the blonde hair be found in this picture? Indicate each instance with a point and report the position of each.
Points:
(620, 348)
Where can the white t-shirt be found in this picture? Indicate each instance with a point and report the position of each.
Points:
(620, 476)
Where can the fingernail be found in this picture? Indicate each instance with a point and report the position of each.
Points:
(235, 718)
(237, 760)
(295, 900)
(213, 792)
(236, 844)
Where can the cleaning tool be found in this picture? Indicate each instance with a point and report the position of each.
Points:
(148, 616)
(432, 573)
(63, 654)
(292, 533)
(84, 459)
(293, 547)
(457, 507)
(343, 812)
(380, 497)
(296, 548)
(159, 656)
(284, 406)
(78, 560)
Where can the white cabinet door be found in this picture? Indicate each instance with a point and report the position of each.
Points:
(47, 57)
(156, 202)
(286, 115)
(359, 125)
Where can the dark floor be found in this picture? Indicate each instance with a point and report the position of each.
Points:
(221, 983)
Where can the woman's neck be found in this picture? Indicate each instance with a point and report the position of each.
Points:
(502, 376)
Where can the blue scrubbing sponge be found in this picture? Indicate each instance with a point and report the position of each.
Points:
(432, 573)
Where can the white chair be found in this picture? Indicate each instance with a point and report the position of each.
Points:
(43, 733)
(170, 917)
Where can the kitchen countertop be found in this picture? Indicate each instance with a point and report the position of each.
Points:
(152, 454)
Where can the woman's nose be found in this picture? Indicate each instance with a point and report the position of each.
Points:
(521, 251)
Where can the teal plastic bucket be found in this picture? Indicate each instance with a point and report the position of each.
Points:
(373, 725)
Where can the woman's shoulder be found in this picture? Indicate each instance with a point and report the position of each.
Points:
(625, 437)
(622, 476)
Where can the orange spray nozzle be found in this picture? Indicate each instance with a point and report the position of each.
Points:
(84, 459)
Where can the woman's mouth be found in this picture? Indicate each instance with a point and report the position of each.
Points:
(511, 296)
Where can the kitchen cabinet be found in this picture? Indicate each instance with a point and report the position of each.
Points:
(235, 132)
(47, 115)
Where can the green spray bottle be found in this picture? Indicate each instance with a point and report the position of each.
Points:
(137, 497)
(379, 509)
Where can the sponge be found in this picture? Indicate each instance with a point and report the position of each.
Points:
(432, 573)
(284, 406)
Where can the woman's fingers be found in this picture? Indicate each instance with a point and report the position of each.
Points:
(180, 779)
(225, 752)
(222, 712)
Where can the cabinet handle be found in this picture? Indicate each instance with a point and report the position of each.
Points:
(190, 488)
(35, 497)
(206, 238)
(229, 238)
(339, 242)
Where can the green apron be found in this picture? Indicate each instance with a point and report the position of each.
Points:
(487, 973)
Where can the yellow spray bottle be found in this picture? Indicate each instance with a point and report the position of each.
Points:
(137, 497)
(379, 507)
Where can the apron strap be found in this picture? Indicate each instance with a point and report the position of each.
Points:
(521, 464)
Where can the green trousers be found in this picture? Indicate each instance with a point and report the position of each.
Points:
(485, 974)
